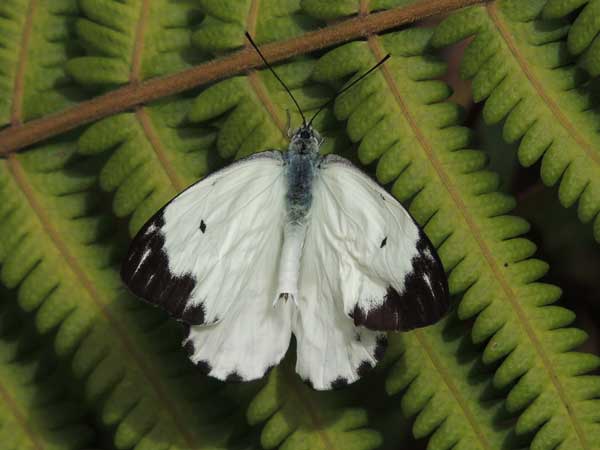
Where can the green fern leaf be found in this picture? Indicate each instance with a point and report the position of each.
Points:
(327, 10)
(252, 110)
(298, 417)
(155, 154)
(35, 409)
(522, 69)
(448, 391)
(266, 20)
(128, 356)
(399, 120)
(133, 41)
(583, 33)
(501, 372)
(34, 45)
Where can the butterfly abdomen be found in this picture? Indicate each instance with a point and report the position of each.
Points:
(300, 172)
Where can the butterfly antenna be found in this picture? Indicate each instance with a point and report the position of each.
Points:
(276, 76)
(328, 102)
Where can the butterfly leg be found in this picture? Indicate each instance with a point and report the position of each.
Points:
(289, 264)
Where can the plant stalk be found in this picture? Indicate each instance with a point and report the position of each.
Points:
(20, 136)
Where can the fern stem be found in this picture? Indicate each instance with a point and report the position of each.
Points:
(8, 400)
(460, 400)
(138, 47)
(19, 136)
(261, 94)
(252, 17)
(159, 149)
(311, 409)
(19, 84)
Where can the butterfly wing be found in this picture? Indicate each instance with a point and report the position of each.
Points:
(369, 266)
(209, 258)
(392, 276)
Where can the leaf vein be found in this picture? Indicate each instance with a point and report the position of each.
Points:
(19, 83)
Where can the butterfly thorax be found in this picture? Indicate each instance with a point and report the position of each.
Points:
(301, 160)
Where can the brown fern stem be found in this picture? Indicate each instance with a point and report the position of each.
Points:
(19, 136)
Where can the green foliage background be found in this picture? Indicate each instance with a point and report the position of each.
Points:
(85, 365)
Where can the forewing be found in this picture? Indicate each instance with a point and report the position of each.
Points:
(388, 272)
(203, 251)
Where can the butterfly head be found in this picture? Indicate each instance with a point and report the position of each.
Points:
(305, 140)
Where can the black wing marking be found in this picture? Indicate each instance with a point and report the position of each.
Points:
(146, 272)
(423, 301)
(424, 297)
(146, 268)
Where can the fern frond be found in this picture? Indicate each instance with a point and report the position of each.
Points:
(36, 412)
(34, 45)
(298, 417)
(583, 35)
(133, 41)
(448, 391)
(156, 153)
(128, 356)
(328, 10)
(252, 110)
(522, 69)
(266, 20)
(399, 119)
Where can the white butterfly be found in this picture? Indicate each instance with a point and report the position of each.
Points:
(288, 243)
(276, 244)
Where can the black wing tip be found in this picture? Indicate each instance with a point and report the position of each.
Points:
(145, 272)
(424, 301)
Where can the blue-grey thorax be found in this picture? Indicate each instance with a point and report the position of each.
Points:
(301, 165)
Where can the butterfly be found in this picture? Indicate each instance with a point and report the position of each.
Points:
(288, 243)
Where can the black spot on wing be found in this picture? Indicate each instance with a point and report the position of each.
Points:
(146, 273)
(189, 348)
(234, 377)
(383, 242)
(194, 314)
(366, 365)
(204, 367)
(424, 300)
(364, 368)
(202, 226)
(339, 383)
